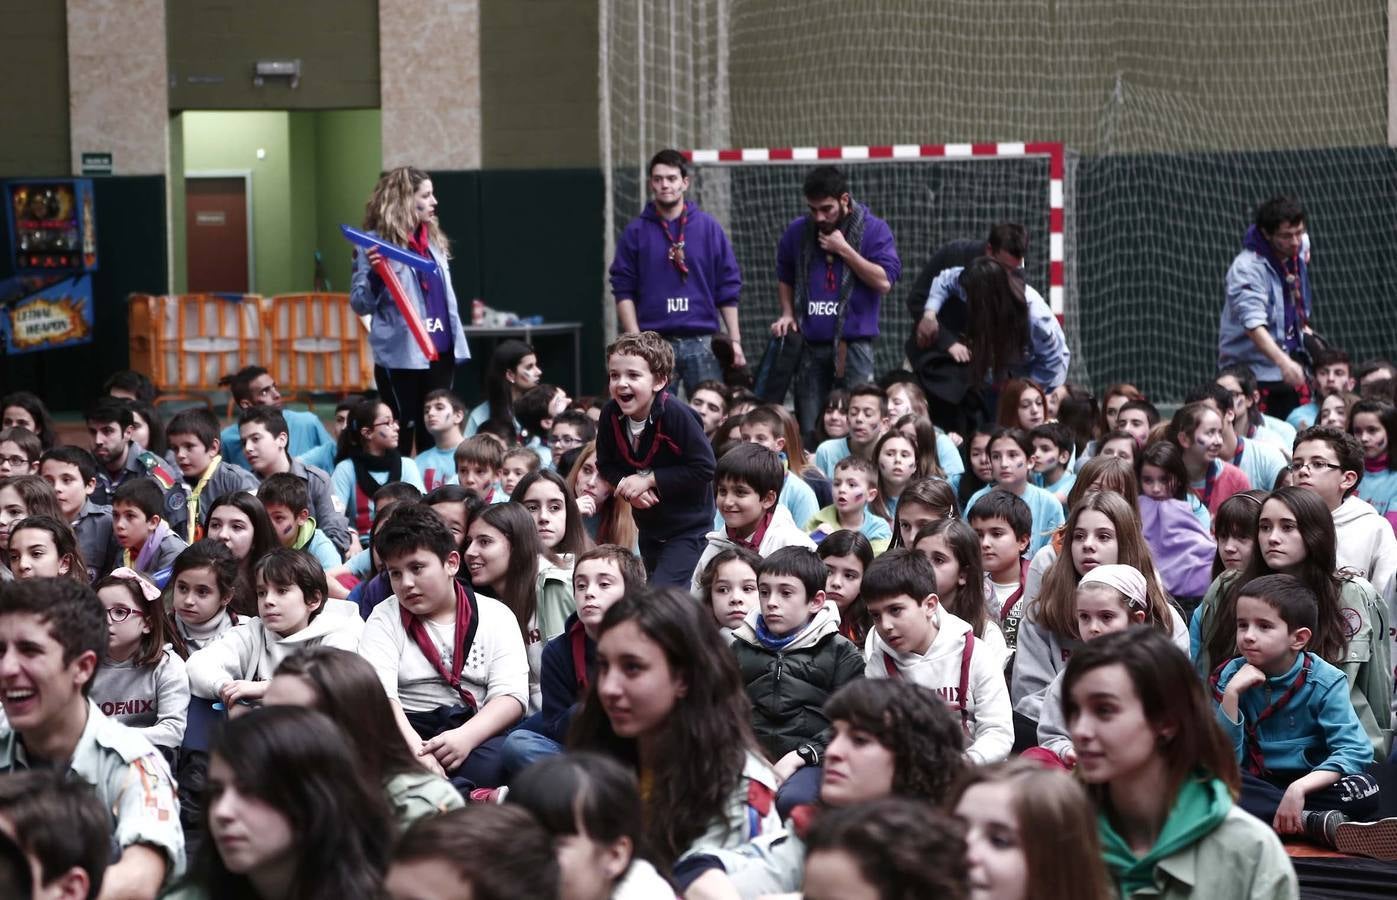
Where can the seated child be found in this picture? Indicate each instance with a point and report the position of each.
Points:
(1010, 449)
(517, 463)
(1303, 752)
(479, 460)
(571, 429)
(847, 555)
(322, 456)
(287, 502)
(203, 583)
(915, 639)
(1136, 418)
(728, 587)
(765, 427)
(886, 849)
(1109, 599)
(453, 664)
(954, 550)
(747, 481)
(868, 419)
(1003, 524)
(534, 411)
(1052, 457)
(147, 543)
(855, 507)
(600, 578)
(44, 547)
(142, 681)
(192, 436)
(292, 612)
(443, 414)
(369, 459)
(20, 450)
(72, 472)
(480, 852)
(792, 658)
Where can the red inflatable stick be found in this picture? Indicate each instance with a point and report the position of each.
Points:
(406, 307)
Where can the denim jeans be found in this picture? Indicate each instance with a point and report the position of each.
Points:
(694, 362)
(816, 377)
(524, 748)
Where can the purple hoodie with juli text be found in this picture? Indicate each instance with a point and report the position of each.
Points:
(676, 306)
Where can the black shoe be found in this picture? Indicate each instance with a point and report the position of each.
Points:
(1322, 827)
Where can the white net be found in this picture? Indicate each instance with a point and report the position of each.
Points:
(1183, 116)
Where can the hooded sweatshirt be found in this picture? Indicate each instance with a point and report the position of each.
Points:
(989, 718)
(781, 531)
(1365, 543)
(666, 300)
(790, 686)
(251, 651)
(1182, 547)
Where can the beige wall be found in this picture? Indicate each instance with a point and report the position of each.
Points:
(118, 101)
(213, 45)
(429, 54)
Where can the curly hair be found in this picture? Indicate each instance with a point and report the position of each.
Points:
(649, 346)
(390, 207)
(914, 724)
(905, 850)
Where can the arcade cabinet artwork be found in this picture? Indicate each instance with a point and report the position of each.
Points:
(53, 240)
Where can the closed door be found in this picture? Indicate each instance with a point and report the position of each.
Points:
(216, 234)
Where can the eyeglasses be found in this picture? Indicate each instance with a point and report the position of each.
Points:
(119, 614)
(15, 462)
(566, 440)
(383, 422)
(1314, 465)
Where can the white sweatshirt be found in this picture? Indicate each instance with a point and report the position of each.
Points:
(251, 652)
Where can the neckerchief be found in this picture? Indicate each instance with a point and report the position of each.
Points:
(304, 532)
(1294, 276)
(755, 540)
(635, 458)
(1012, 599)
(1208, 478)
(1237, 456)
(195, 530)
(1376, 464)
(365, 463)
(420, 244)
(466, 624)
(1255, 759)
(852, 227)
(676, 245)
(149, 550)
(577, 642)
(771, 641)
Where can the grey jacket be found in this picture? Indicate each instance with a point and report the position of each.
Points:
(392, 345)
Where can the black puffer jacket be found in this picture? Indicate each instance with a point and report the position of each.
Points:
(789, 688)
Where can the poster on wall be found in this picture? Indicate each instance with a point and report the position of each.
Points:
(57, 315)
(52, 225)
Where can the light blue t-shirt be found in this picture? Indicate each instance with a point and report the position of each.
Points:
(1261, 462)
(1047, 513)
(343, 484)
(304, 432)
(324, 552)
(437, 467)
(322, 457)
(1061, 486)
(1303, 416)
(830, 452)
(1379, 489)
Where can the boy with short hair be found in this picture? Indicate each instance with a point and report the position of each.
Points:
(148, 545)
(868, 419)
(763, 426)
(196, 449)
(746, 481)
(443, 413)
(1136, 418)
(518, 462)
(253, 386)
(20, 450)
(60, 629)
(571, 429)
(1052, 455)
(1009, 451)
(1329, 462)
(1304, 754)
(600, 577)
(652, 448)
(287, 502)
(453, 664)
(1333, 374)
(1004, 525)
(855, 488)
(62, 829)
(72, 472)
(264, 436)
(479, 460)
(793, 658)
(916, 639)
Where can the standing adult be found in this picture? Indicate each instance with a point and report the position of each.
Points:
(403, 211)
(833, 268)
(675, 273)
(1266, 316)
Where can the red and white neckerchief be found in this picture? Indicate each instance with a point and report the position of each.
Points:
(676, 245)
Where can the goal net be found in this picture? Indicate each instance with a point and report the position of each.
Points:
(1178, 118)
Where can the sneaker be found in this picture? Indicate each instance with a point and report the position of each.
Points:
(1321, 827)
(488, 795)
(1373, 839)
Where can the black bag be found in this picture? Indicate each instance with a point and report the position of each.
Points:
(779, 365)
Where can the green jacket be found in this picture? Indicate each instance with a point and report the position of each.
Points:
(789, 688)
(1367, 665)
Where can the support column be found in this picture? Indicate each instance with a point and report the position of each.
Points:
(118, 93)
(1392, 73)
(429, 73)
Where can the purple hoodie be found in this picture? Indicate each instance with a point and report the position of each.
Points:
(817, 319)
(1182, 548)
(676, 306)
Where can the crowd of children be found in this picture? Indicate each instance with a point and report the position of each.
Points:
(654, 647)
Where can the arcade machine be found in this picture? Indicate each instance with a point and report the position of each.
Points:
(53, 251)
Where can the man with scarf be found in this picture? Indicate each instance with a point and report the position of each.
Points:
(675, 272)
(1266, 317)
(833, 268)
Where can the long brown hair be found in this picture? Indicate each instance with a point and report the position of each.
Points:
(389, 211)
(928, 461)
(965, 601)
(1055, 607)
(1008, 412)
(996, 317)
(617, 521)
(1057, 829)
(1172, 696)
(518, 588)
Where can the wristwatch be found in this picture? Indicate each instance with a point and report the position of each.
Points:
(808, 755)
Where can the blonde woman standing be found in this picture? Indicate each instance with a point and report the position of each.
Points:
(402, 211)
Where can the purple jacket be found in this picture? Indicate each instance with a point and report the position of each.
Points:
(817, 319)
(1182, 548)
(664, 301)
